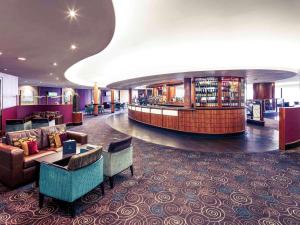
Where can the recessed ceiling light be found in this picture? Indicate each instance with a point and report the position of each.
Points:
(57, 78)
(50, 74)
(54, 64)
(22, 58)
(0, 53)
(73, 47)
(5, 69)
(72, 13)
(41, 82)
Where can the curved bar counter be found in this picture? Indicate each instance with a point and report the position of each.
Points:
(210, 105)
(198, 120)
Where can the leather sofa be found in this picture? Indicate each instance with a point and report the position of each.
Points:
(17, 169)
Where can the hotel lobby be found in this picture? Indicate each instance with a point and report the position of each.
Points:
(144, 112)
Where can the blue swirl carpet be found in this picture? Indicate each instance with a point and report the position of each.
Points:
(172, 186)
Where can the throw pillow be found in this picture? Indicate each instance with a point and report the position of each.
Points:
(32, 147)
(63, 137)
(25, 148)
(17, 142)
(57, 140)
(51, 137)
(54, 139)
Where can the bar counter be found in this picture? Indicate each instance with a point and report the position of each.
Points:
(208, 120)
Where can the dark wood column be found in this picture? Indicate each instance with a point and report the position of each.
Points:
(187, 92)
(168, 94)
(112, 95)
(130, 96)
(264, 91)
(193, 97)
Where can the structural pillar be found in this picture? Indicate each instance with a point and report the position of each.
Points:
(130, 96)
(96, 99)
(112, 95)
(187, 92)
(264, 91)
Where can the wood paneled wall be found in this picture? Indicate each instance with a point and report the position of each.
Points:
(264, 91)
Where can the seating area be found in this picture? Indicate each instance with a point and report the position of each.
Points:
(57, 172)
(18, 166)
(34, 121)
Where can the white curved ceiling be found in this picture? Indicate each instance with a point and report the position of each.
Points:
(174, 36)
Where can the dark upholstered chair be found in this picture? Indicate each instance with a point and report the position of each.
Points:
(118, 157)
(70, 180)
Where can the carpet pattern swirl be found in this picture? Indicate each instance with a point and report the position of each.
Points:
(174, 187)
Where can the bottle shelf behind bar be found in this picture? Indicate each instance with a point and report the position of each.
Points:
(219, 92)
(206, 92)
(230, 92)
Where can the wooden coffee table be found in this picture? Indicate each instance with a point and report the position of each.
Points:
(57, 157)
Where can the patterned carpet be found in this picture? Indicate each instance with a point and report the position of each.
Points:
(175, 187)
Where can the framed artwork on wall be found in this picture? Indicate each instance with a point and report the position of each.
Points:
(28, 96)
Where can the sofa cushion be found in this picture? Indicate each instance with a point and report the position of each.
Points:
(17, 142)
(84, 159)
(29, 160)
(25, 148)
(25, 133)
(32, 147)
(48, 130)
(120, 145)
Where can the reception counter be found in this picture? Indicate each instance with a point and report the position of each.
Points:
(209, 120)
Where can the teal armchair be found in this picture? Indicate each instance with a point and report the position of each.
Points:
(117, 158)
(83, 173)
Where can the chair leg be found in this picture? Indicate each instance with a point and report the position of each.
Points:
(111, 182)
(73, 209)
(131, 169)
(41, 200)
(102, 188)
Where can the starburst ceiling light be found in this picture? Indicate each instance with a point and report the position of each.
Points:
(72, 13)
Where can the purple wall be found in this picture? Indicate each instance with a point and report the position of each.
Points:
(8, 113)
(85, 97)
(43, 91)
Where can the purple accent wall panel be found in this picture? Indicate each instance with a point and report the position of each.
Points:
(8, 113)
(20, 112)
(43, 91)
(85, 97)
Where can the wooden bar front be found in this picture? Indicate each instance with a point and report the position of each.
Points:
(199, 120)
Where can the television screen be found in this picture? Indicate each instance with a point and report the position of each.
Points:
(52, 94)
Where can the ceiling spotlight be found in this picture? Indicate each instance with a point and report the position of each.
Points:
(22, 58)
(73, 47)
(54, 64)
(72, 13)
(0, 53)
